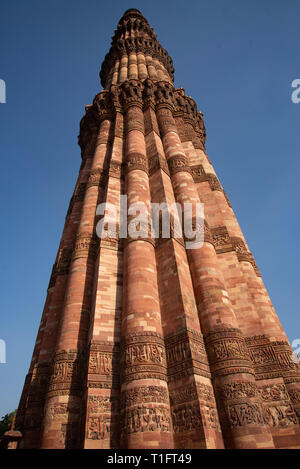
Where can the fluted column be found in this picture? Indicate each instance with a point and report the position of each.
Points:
(232, 372)
(223, 227)
(193, 407)
(30, 411)
(142, 67)
(102, 390)
(132, 66)
(145, 412)
(152, 73)
(65, 385)
(252, 305)
(116, 73)
(147, 343)
(123, 70)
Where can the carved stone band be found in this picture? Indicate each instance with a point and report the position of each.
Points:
(143, 357)
(178, 164)
(66, 372)
(136, 161)
(96, 178)
(225, 243)
(227, 352)
(86, 246)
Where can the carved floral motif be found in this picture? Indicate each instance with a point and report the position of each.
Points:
(244, 414)
(146, 419)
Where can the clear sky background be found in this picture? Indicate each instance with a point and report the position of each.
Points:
(237, 59)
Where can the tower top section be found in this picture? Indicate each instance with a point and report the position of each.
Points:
(134, 43)
(133, 11)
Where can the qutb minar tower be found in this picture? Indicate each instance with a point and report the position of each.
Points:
(144, 343)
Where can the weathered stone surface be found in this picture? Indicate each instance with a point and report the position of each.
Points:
(144, 343)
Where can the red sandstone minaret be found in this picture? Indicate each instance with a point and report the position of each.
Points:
(144, 343)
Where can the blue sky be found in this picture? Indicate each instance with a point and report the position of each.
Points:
(236, 59)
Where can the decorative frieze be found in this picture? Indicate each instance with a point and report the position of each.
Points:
(164, 94)
(62, 412)
(193, 402)
(97, 178)
(225, 243)
(103, 418)
(214, 182)
(240, 248)
(144, 353)
(136, 161)
(294, 395)
(198, 173)
(280, 416)
(143, 356)
(100, 363)
(227, 352)
(158, 162)
(66, 374)
(103, 106)
(135, 95)
(86, 246)
(103, 427)
(186, 355)
(144, 394)
(132, 95)
(186, 418)
(178, 164)
(142, 419)
(102, 404)
(183, 394)
(237, 390)
(271, 359)
(221, 239)
(277, 409)
(225, 344)
(149, 101)
(273, 392)
(244, 414)
(116, 169)
(240, 403)
(104, 365)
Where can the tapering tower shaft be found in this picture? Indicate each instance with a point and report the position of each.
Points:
(146, 342)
